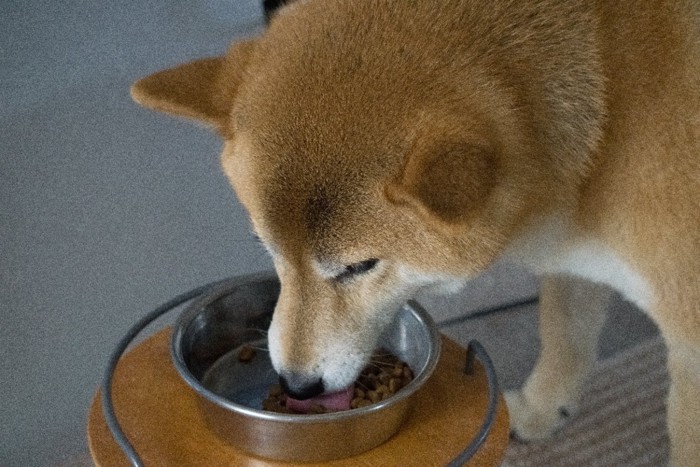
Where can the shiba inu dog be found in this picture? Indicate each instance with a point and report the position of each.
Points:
(383, 147)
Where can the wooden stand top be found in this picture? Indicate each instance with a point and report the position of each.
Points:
(161, 417)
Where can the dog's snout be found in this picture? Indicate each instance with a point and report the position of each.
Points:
(300, 386)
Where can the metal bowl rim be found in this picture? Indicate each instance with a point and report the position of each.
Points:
(228, 286)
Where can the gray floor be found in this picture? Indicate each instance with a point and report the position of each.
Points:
(107, 210)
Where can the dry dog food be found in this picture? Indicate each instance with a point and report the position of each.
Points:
(380, 379)
(246, 354)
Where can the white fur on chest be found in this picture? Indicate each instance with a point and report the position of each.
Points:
(554, 248)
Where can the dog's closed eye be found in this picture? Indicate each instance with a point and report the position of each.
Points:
(355, 269)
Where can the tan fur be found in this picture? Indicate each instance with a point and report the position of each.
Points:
(438, 136)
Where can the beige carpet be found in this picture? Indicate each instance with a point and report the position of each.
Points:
(621, 421)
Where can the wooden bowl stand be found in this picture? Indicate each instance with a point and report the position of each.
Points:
(160, 415)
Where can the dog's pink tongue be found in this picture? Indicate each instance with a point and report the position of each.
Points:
(335, 401)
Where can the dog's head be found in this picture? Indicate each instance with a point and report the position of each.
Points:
(367, 174)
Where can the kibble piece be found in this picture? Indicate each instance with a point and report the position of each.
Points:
(317, 409)
(384, 377)
(394, 385)
(358, 402)
(374, 396)
(246, 354)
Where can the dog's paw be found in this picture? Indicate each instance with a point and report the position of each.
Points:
(534, 420)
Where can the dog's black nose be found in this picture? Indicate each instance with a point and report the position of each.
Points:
(300, 386)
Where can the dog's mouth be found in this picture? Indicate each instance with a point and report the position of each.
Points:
(330, 401)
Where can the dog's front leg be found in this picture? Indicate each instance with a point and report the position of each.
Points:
(684, 401)
(572, 313)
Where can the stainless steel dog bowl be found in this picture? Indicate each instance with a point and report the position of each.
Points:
(204, 348)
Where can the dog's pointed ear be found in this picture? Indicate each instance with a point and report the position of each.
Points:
(446, 183)
(202, 90)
